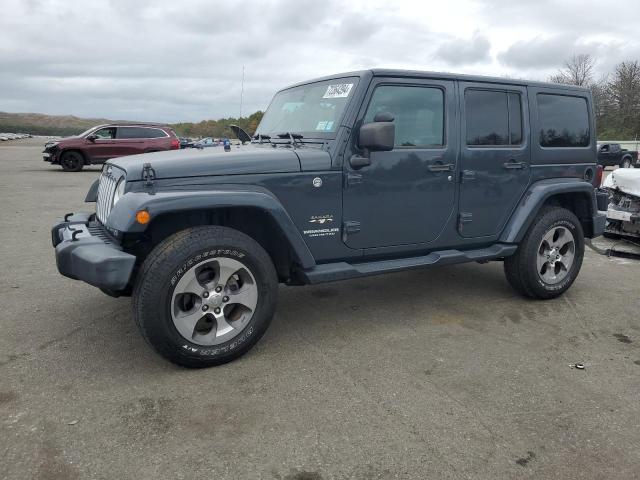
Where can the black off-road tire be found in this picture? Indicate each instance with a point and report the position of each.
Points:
(626, 163)
(71, 161)
(155, 283)
(521, 268)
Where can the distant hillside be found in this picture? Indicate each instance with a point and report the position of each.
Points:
(40, 124)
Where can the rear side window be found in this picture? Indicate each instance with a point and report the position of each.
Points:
(564, 121)
(140, 132)
(493, 118)
(155, 133)
(418, 113)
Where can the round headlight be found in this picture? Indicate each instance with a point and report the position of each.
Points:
(119, 191)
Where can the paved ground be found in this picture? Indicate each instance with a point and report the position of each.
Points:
(432, 374)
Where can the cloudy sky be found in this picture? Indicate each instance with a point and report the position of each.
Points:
(162, 60)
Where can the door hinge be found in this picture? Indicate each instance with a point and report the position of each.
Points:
(349, 228)
(464, 217)
(352, 179)
(467, 175)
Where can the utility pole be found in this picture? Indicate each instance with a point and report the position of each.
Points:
(241, 91)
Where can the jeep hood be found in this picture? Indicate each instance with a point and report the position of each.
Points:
(189, 162)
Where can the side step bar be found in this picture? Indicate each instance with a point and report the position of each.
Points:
(330, 272)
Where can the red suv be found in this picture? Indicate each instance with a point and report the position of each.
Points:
(99, 144)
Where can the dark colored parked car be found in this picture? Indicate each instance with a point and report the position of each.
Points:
(99, 144)
(612, 154)
(351, 175)
(186, 142)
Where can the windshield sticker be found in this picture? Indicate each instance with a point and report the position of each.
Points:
(340, 90)
(324, 126)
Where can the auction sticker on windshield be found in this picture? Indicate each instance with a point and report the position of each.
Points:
(339, 90)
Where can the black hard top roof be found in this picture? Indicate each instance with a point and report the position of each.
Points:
(384, 72)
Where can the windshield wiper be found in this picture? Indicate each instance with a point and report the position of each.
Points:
(259, 137)
(289, 135)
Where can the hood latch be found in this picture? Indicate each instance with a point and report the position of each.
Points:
(148, 174)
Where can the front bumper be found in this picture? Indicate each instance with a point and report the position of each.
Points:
(85, 252)
(50, 155)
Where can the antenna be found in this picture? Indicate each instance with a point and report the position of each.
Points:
(241, 91)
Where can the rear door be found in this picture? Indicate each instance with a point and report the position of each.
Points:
(131, 140)
(495, 156)
(615, 155)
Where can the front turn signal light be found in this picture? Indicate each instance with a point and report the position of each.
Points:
(143, 217)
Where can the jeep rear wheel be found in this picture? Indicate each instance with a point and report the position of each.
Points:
(626, 162)
(205, 296)
(550, 256)
(71, 161)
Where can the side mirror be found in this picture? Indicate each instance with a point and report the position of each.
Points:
(379, 135)
(92, 137)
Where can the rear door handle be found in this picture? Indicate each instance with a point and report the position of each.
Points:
(514, 165)
(440, 167)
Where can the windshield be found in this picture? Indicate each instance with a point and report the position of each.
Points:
(313, 110)
(85, 133)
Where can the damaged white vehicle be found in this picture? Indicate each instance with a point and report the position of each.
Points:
(623, 213)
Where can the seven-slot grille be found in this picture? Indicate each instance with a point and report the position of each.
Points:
(106, 189)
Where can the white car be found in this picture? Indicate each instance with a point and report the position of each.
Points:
(623, 213)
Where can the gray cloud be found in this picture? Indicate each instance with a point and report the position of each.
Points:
(465, 52)
(541, 52)
(173, 61)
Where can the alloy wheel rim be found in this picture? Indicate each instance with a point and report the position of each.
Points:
(556, 255)
(214, 301)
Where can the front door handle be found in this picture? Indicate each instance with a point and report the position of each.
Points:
(512, 164)
(441, 167)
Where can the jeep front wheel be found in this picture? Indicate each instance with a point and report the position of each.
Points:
(205, 296)
(550, 256)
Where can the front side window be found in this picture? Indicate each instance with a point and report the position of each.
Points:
(493, 118)
(313, 110)
(105, 133)
(418, 113)
(564, 121)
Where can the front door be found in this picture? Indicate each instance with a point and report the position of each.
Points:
(405, 196)
(494, 156)
(104, 146)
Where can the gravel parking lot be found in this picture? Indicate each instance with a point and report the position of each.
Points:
(441, 373)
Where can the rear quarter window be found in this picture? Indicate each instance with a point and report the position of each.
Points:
(564, 121)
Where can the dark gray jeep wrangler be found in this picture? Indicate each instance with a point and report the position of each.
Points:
(350, 175)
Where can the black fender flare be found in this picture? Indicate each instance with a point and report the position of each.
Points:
(122, 217)
(92, 194)
(536, 196)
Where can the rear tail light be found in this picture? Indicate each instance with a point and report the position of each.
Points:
(175, 144)
(597, 178)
